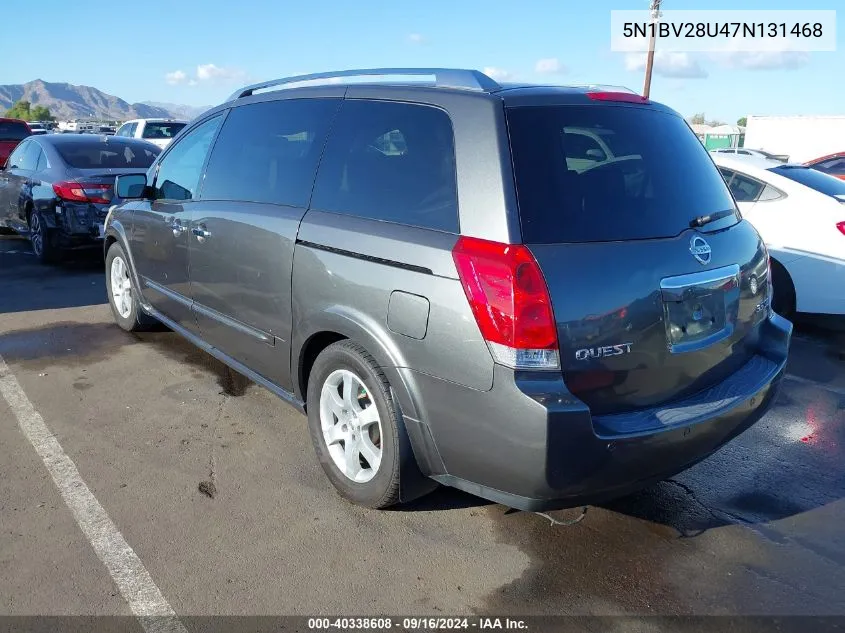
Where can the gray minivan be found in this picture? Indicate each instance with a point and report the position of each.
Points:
(541, 295)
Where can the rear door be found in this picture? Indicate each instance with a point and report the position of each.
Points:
(161, 227)
(649, 307)
(243, 230)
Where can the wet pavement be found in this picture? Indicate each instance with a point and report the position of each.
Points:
(758, 528)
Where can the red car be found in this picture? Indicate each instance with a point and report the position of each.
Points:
(832, 165)
(12, 132)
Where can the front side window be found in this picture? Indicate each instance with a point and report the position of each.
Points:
(179, 173)
(393, 162)
(268, 152)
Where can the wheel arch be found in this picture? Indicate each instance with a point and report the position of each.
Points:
(115, 233)
(779, 267)
(318, 331)
(337, 324)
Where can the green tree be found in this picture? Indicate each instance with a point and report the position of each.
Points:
(23, 110)
(41, 113)
(19, 110)
(742, 121)
(698, 119)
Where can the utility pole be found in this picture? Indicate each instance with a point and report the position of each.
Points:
(655, 15)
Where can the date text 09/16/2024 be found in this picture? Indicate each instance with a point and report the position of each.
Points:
(415, 623)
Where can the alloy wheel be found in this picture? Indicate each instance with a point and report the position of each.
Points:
(351, 426)
(121, 287)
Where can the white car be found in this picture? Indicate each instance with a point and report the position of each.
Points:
(800, 214)
(158, 131)
(744, 151)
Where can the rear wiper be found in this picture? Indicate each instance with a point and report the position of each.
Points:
(701, 220)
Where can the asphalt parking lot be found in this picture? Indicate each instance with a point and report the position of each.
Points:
(755, 529)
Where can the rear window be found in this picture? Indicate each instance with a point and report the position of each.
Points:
(107, 156)
(13, 131)
(604, 173)
(159, 131)
(812, 178)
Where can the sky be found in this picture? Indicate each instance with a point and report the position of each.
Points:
(197, 52)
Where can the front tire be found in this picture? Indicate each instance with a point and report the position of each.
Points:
(354, 425)
(43, 240)
(123, 296)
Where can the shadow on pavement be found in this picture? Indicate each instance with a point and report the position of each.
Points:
(28, 285)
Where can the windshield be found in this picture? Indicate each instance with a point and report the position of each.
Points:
(98, 154)
(603, 173)
(812, 178)
(159, 131)
(13, 131)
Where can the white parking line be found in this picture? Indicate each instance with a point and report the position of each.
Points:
(126, 569)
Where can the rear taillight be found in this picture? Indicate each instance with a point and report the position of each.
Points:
(841, 227)
(625, 97)
(78, 192)
(510, 302)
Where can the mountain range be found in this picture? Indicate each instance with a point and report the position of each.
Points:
(67, 101)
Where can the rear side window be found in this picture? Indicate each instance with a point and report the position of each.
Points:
(745, 189)
(13, 131)
(159, 131)
(25, 156)
(268, 152)
(393, 162)
(596, 173)
(97, 154)
(41, 163)
(823, 183)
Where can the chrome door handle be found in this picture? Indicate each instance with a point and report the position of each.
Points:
(177, 227)
(201, 232)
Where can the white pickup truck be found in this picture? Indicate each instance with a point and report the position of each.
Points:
(157, 131)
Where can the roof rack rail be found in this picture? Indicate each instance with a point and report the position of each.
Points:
(443, 78)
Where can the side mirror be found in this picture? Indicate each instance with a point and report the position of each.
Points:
(130, 186)
(597, 155)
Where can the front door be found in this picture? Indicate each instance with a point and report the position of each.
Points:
(161, 226)
(243, 229)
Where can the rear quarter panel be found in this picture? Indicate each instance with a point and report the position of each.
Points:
(352, 294)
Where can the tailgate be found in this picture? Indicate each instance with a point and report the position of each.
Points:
(642, 323)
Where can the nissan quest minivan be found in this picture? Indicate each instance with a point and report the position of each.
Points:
(541, 295)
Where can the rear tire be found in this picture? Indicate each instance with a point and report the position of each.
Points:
(337, 433)
(783, 297)
(44, 241)
(123, 296)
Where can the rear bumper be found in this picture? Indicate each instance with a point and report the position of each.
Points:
(528, 443)
(78, 225)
